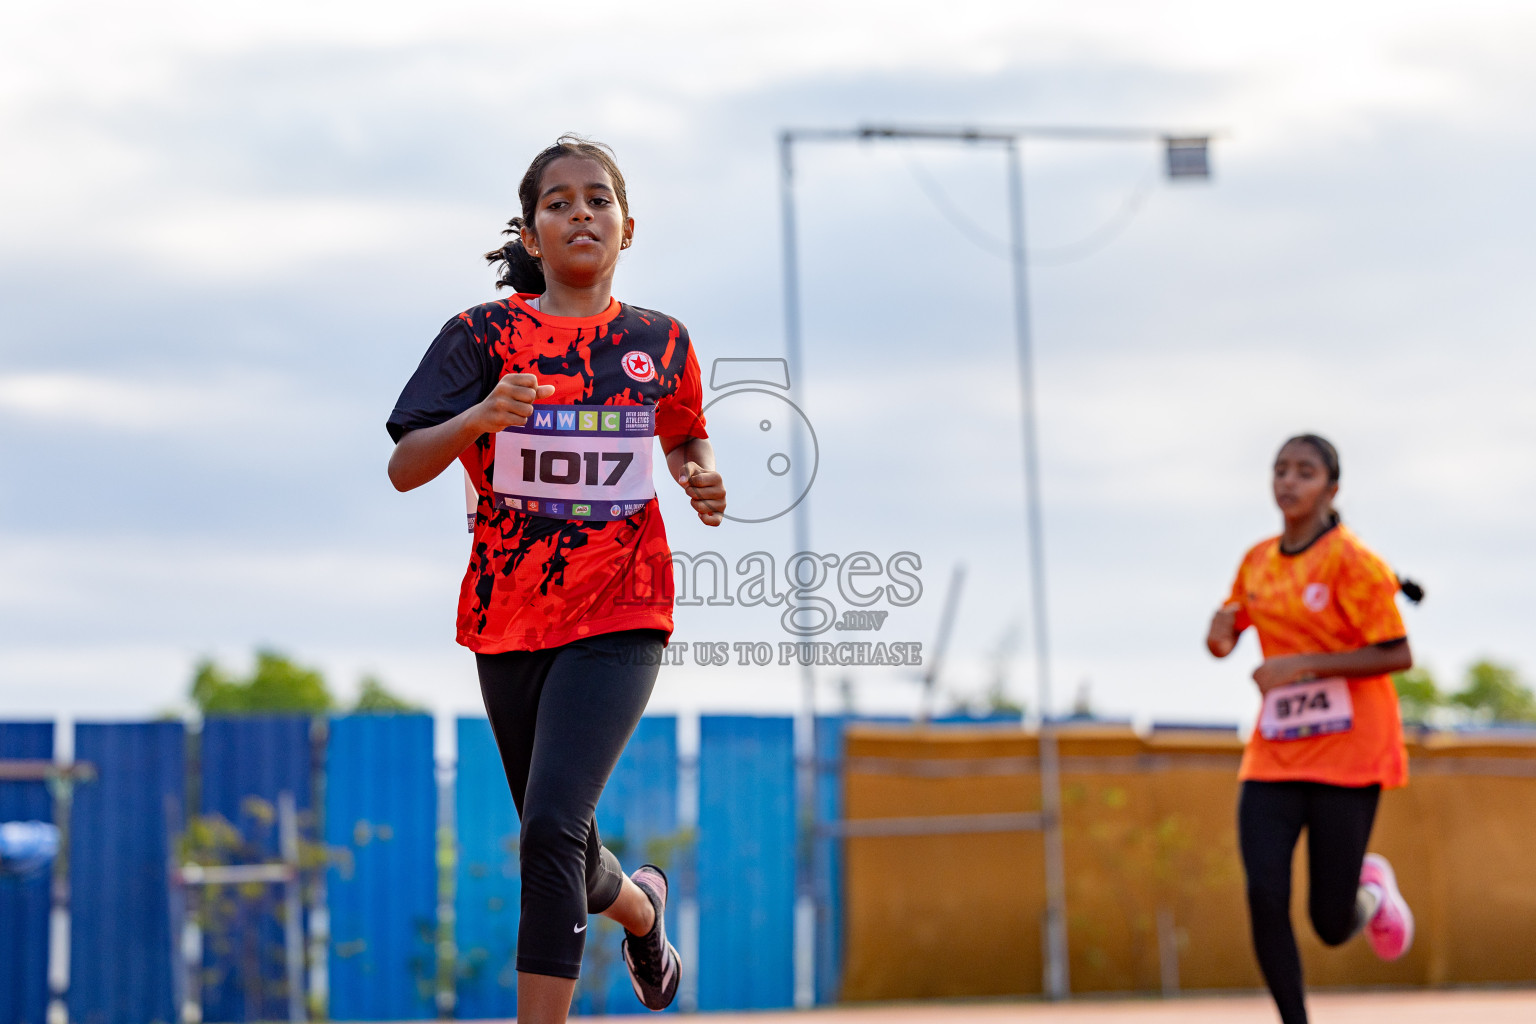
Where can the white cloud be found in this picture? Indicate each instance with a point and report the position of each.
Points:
(1185, 428)
(98, 158)
(189, 409)
(241, 238)
(1362, 52)
(58, 577)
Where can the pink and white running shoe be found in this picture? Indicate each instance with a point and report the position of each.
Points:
(1390, 929)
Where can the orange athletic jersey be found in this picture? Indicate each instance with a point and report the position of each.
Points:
(1336, 595)
(533, 582)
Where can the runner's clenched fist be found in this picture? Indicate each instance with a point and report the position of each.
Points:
(510, 402)
(707, 490)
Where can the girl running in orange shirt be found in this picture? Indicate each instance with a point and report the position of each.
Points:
(1329, 738)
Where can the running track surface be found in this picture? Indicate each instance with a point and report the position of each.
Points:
(1354, 1008)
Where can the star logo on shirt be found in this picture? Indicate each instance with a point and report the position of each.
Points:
(638, 365)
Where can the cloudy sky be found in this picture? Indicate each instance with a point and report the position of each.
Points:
(228, 232)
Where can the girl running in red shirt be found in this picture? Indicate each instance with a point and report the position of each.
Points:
(1329, 738)
(550, 399)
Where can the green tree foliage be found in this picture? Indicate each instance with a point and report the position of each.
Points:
(1417, 693)
(374, 697)
(1495, 692)
(276, 685)
(1491, 693)
(279, 686)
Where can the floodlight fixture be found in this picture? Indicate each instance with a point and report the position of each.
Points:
(1189, 157)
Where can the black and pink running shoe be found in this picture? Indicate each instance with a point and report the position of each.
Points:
(654, 966)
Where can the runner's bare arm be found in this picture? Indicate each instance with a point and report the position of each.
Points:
(692, 462)
(424, 453)
(1223, 633)
(1375, 660)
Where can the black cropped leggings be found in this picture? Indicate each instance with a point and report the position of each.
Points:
(1270, 817)
(561, 718)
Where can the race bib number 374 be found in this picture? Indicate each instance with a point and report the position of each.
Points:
(1303, 710)
(577, 462)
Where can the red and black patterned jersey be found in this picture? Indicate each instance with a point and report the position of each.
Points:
(535, 582)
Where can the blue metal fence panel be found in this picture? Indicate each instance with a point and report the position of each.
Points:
(246, 762)
(24, 901)
(119, 849)
(827, 859)
(637, 818)
(486, 880)
(746, 863)
(381, 816)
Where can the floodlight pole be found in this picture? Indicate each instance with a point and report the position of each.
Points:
(796, 368)
(1057, 975)
(1057, 978)
(805, 727)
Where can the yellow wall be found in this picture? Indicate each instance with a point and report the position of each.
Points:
(1149, 825)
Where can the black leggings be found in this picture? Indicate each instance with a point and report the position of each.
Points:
(561, 718)
(1270, 817)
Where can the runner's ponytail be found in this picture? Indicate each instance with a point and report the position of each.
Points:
(1411, 590)
(519, 271)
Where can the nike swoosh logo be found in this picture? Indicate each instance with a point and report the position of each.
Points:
(578, 930)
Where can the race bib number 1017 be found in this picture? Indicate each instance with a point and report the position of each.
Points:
(577, 462)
